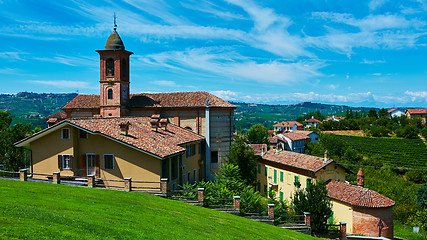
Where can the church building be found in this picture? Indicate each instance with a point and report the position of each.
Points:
(199, 112)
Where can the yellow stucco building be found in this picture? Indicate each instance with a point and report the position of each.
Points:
(360, 208)
(143, 148)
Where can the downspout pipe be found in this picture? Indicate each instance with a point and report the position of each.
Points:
(208, 143)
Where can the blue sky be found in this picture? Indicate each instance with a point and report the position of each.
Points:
(357, 53)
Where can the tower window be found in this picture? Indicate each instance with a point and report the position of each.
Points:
(123, 70)
(110, 94)
(110, 67)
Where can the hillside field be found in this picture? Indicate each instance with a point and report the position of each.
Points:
(394, 152)
(31, 210)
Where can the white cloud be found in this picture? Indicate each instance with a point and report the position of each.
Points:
(365, 61)
(64, 84)
(417, 96)
(70, 60)
(165, 83)
(375, 4)
(377, 74)
(13, 55)
(226, 95)
(332, 86)
(233, 65)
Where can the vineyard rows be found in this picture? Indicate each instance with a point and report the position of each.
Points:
(395, 152)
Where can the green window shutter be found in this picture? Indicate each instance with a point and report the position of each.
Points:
(275, 176)
(259, 186)
(308, 182)
(281, 196)
(296, 179)
(281, 176)
(296, 182)
(266, 171)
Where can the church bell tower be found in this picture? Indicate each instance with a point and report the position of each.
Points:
(114, 76)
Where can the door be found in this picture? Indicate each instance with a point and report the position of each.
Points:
(90, 161)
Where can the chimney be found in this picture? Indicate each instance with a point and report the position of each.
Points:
(326, 156)
(124, 127)
(361, 178)
(163, 123)
(154, 121)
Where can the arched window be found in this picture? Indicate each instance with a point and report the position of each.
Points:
(110, 67)
(123, 69)
(110, 94)
(188, 128)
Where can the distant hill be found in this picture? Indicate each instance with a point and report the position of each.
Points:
(247, 114)
(28, 107)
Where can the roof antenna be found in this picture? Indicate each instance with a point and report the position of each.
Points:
(115, 25)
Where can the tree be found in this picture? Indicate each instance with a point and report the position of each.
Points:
(383, 113)
(314, 199)
(372, 113)
(421, 196)
(243, 156)
(258, 134)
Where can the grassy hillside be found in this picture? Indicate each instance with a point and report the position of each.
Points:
(32, 210)
(395, 152)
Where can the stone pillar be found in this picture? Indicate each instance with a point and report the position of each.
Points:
(307, 218)
(236, 203)
(91, 181)
(23, 175)
(164, 185)
(128, 184)
(343, 231)
(271, 210)
(200, 195)
(56, 178)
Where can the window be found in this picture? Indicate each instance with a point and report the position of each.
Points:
(281, 176)
(275, 176)
(65, 133)
(66, 161)
(265, 189)
(259, 168)
(288, 178)
(308, 182)
(183, 178)
(188, 176)
(108, 161)
(123, 70)
(110, 94)
(110, 67)
(193, 149)
(82, 134)
(174, 169)
(266, 171)
(281, 196)
(194, 175)
(296, 182)
(200, 148)
(214, 156)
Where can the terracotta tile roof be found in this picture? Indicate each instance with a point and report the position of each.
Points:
(152, 100)
(271, 132)
(417, 111)
(393, 109)
(297, 160)
(295, 136)
(177, 99)
(259, 148)
(58, 115)
(288, 124)
(83, 101)
(272, 140)
(306, 133)
(160, 143)
(312, 120)
(357, 196)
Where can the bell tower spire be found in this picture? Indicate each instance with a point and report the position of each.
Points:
(114, 76)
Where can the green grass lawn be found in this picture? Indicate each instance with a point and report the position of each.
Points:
(30, 210)
(406, 232)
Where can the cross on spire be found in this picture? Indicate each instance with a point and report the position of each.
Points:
(115, 25)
